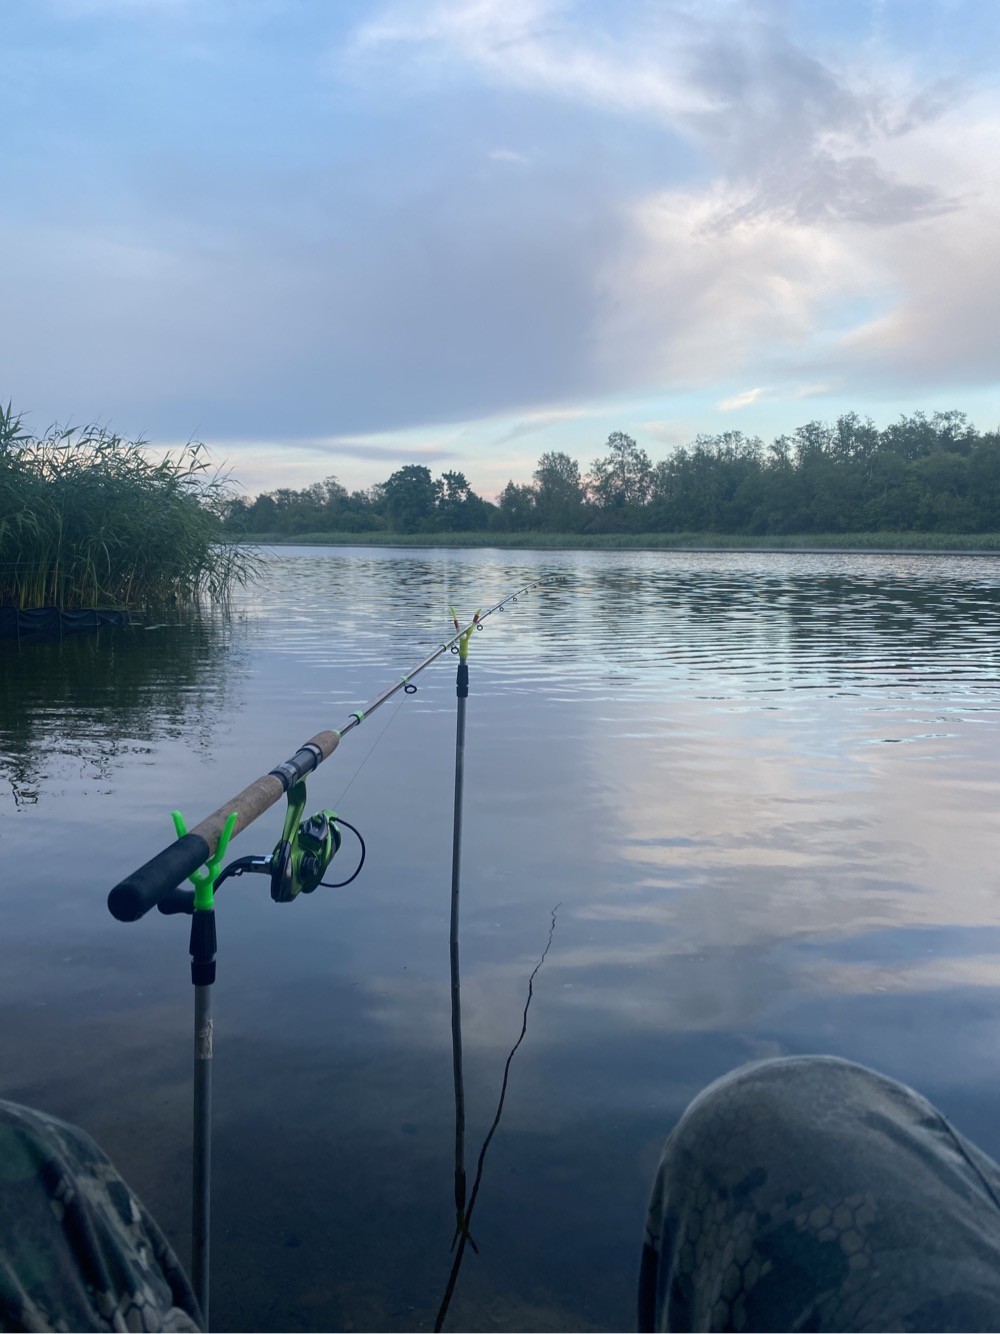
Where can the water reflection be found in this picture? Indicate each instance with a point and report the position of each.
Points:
(71, 710)
(765, 789)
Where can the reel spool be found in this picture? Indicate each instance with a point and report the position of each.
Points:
(299, 863)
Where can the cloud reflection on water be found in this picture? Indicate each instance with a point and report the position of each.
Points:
(688, 751)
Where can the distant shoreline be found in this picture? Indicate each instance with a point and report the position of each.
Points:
(899, 544)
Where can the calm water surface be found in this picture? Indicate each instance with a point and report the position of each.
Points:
(763, 789)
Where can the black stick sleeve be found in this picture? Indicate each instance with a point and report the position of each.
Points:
(144, 888)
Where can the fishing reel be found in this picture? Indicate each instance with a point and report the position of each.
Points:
(302, 853)
(306, 848)
(299, 861)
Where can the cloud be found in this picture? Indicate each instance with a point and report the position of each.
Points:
(711, 201)
(744, 400)
(361, 449)
(698, 305)
(941, 329)
(811, 162)
(534, 422)
(851, 189)
(666, 432)
(802, 136)
(506, 155)
(868, 299)
(261, 465)
(538, 46)
(792, 129)
(245, 329)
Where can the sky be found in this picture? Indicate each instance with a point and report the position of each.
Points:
(333, 237)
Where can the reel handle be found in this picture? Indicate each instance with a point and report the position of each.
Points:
(133, 897)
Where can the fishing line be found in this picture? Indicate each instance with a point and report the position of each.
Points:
(506, 1068)
(339, 884)
(300, 857)
(371, 752)
(466, 1235)
(134, 896)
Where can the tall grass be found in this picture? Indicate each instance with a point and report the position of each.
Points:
(89, 519)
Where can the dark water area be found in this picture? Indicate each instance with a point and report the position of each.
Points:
(763, 789)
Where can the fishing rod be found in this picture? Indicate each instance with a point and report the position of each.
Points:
(134, 896)
(462, 695)
(296, 865)
(464, 1203)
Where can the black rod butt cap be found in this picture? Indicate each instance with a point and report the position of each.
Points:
(143, 889)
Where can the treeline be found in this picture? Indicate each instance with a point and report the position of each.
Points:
(921, 474)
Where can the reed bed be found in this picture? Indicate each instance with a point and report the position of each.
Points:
(89, 519)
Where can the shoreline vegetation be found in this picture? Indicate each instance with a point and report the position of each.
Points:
(911, 484)
(91, 520)
(943, 544)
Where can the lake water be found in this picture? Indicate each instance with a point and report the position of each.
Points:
(764, 791)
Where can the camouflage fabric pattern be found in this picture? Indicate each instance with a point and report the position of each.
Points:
(77, 1249)
(812, 1194)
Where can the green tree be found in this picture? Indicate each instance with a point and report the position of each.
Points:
(359, 512)
(984, 481)
(855, 438)
(941, 481)
(459, 509)
(622, 479)
(410, 497)
(712, 486)
(516, 506)
(558, 493)
(917, 436)
(236, 514)
(262, 515)
(921, 473)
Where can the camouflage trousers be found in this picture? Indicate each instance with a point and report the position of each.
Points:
(801, 1194)
(77, 1249)
(812, 1194)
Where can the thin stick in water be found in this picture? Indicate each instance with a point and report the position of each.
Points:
(465, 1237)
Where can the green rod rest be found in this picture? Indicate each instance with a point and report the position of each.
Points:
(204, 881)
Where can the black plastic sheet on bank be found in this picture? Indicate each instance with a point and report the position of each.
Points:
(51, 623)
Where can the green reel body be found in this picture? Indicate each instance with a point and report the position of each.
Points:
(304, 851)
